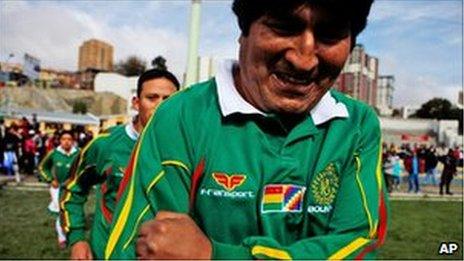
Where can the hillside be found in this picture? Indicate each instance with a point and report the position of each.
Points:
(104, 103)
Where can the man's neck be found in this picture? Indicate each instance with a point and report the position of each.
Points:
(137, 123)
(239, 86)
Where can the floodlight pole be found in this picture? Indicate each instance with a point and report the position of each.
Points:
(191, 76)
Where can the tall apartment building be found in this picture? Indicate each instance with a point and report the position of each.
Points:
(385, 88)
(96, 55)
(359, 76)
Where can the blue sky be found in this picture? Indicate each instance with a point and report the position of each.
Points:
(417, 41)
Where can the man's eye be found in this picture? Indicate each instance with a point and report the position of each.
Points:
(153, 97)
(284, 28)
(331, 35)
(332, 32)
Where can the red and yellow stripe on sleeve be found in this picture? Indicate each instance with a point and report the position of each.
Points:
(121, 219)
(41, 166)
(377, 229)
(76, 171)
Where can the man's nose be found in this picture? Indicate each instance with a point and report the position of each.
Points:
(303, 52)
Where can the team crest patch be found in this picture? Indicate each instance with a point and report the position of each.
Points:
(282, 198)
(229, 182)
(325, 185)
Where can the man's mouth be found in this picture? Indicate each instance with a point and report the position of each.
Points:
(294, 79)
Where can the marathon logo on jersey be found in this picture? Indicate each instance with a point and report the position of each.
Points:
(282, 198)
(230, 183)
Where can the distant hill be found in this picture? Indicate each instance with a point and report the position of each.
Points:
(103, 103)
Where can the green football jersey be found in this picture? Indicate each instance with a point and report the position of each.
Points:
(102, 162)
(56, 165)
(256, 188)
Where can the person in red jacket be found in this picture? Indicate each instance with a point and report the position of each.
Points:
(30, 148)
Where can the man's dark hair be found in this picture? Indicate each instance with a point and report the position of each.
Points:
(64, 132)
(248, 11)
(155, 74)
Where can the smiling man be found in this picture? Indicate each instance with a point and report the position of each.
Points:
(264, 160)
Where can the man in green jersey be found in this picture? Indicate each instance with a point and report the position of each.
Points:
(264, 161)
(54, 169)
(103, 162)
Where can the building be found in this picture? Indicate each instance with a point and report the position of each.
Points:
(11, 67)
(96, 55)
(408, 111)
(49, 78)
(385, 88)
(420, 131)
(12, 74)
(359, 76)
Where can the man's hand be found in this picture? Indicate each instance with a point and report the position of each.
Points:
(81, 251)
(172, 236)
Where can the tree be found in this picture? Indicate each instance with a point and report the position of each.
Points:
(79, 107)
(396, 113)
(436, 108)
(132, 66)
(159, 63)
(441, 109)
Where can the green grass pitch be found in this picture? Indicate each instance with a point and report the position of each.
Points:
(415, 229)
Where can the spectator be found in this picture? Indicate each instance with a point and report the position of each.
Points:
(12, 143)
(431, 162)
(449, 170)
(411, 164)
(396, 161)
(30, 149)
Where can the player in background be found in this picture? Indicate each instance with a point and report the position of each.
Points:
(54, 169)
(103, 162)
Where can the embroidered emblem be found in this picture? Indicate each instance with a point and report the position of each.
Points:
(229, 182)
(282, 198)
(325, 185)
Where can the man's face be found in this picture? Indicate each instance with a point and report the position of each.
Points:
(66, 141)
(153, 93)
(287, 63)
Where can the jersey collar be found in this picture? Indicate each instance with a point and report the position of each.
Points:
(62, 151)
(131, 132)
(230, 100)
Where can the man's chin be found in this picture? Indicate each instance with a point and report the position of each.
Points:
(293, 109)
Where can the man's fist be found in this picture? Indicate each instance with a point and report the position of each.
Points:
(172, 236)
(81, 251)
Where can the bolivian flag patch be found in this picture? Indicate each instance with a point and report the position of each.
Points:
(282, 198)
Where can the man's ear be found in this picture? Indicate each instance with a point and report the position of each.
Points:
(135, 103)
(241, 39)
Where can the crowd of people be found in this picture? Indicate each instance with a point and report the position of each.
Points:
(23, 145)
(407, 163)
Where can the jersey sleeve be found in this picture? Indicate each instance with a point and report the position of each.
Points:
(358, 223)
(86, 171)
(145, 189)
(45, 167)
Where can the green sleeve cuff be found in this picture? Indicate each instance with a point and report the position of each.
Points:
(226, 251)
(75, 236)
